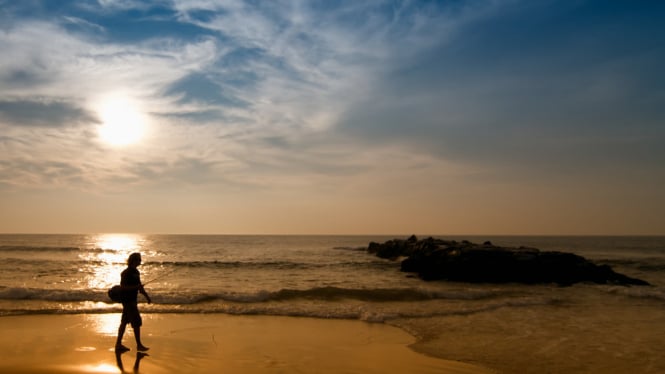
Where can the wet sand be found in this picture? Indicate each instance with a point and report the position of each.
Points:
(212, 343)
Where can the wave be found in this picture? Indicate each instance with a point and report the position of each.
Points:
(329, 294)
(364, 311)
(649, 264)
(26, 248)
(351, 313)
(23, 293)
(47, 249)
(355, 249)
(648, 293)
(191, 298)
(274, 265)
(376, 295)
(39, 263)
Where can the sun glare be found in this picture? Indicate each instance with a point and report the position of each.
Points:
(108, 259)
(123, 123)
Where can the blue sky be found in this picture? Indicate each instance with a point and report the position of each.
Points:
(460, 117)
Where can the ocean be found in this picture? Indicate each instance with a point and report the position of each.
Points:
(511, 328)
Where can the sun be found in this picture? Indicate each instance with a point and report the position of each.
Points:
(123, 123)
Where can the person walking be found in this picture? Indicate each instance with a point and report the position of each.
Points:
(130, 283)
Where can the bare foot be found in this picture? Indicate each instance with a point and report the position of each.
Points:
(142, 348)
(121, 348)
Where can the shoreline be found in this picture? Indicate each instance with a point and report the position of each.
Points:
(211, 343)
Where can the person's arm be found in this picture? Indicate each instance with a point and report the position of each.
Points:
(142, 291)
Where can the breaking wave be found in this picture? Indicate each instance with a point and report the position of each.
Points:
(316, 303)
(318, 293)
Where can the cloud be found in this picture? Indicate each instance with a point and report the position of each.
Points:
(303, 59)
(198, 87)
(84, 24)
(47, 174)
(129, 4)
(44, 113)
(63, 64)
(386, 105)
(287, 88)
(535, 88)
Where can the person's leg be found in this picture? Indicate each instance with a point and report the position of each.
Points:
(136, 321)
(121, 333)
(137, 335)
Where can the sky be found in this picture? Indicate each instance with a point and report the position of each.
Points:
(502, 117)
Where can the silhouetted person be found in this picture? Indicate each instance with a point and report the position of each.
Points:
(130, 281)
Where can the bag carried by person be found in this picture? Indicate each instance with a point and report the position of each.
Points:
(116, 294)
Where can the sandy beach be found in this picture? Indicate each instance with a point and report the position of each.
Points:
(213, 343)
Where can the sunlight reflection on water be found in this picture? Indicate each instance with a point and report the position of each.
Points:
(105, 323)
(107, 261)
(99, 368)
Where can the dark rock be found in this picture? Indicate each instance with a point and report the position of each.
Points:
(435, 259)
(373, 247)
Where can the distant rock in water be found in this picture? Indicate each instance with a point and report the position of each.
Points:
(464, 261)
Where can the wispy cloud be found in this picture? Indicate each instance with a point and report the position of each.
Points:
(354, 98)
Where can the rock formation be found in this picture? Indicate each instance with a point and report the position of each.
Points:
(464, 261)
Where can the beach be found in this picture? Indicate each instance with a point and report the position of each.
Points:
(213, 343)
(608, 339)
(265, 304)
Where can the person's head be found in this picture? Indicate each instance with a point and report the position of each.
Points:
(134, 259)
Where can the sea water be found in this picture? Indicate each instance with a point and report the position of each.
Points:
(512, 327)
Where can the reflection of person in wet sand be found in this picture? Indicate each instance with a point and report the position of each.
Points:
(130, 282)
(118, 359)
